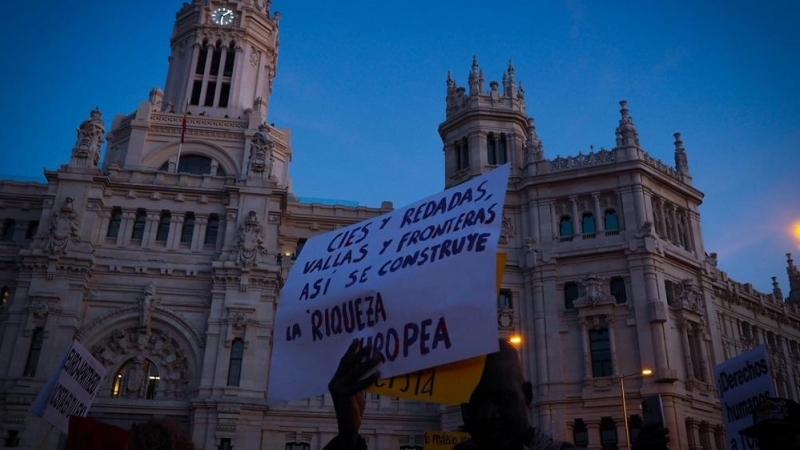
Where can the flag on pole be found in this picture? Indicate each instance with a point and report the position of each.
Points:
(183, 125)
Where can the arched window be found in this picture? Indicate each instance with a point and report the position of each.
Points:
(565, 226)
(571, 294)
(502, 155)
(194, 164)
(137, 378)
(587, 223)
(235, 365)
(229, 59)
(611, 220)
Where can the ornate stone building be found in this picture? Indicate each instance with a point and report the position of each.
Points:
(608, 274)
(166, 259)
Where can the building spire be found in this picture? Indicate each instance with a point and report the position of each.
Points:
(794, 280)
(475, 77)
(534, 150)
(681, 163)
(626, 131)
(777, 294)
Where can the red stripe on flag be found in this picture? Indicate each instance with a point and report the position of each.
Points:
(183, 127)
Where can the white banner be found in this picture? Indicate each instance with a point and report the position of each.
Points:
(71, 389)
(743, 382)
(417, 283)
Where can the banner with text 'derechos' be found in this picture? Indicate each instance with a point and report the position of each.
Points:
(418, 284)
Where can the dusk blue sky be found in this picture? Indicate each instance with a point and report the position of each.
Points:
(362, 87)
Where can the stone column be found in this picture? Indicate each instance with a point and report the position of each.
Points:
(126, 228)
(683, 329)
(555, 218)
(612, 345)
(102, 229)
(587, 350)
(593, 429)
(657, 317)
(200, 224)
(540, 327)
(598, 213)
(638, 196)
(175, 230)
(673, 212)
(206, 70)
(576, 230)
(150, 229)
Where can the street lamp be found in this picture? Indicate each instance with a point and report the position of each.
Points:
(644, 373)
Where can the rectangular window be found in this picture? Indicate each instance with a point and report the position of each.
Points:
(163, 226)
(114, 223)
(297, 446)
(212, 229)
(138, 224)
(12, 438)
(571, 293)
(300, 244)
(188, 227)
(33, 354)
(600, 349)
(608, 434)
(225, 444)
(504, 299)
(235, 366)
(618, 290)
(197, 86)
(210, 91)
(224, 93)
(33, 227)
(670, 289)
(580, 434)
(7, 233)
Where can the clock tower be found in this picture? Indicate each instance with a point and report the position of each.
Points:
(223, 58)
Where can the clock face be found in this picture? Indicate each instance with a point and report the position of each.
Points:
(222, 16)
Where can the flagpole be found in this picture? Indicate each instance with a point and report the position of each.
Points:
(183, 133)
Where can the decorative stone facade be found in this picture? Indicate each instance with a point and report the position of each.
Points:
(169, 269)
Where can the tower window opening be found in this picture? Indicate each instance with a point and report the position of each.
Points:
(215, 59)
(201, 59)
(229, 60)
(224, 93)
(210, 91)
(197, 86)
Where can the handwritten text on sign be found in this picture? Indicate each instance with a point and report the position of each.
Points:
(415, 284)
(71, 390)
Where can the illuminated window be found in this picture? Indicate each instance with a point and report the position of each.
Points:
(5, 296)
(137, 378)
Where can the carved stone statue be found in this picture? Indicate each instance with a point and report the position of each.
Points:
(148, 304)
(261, 159)
(86, 151)
(530, 244)
(507, 231)
(63, 229)
(135, 379)
(250, 241)
(594, 291)
(646, 230)
(689, 297)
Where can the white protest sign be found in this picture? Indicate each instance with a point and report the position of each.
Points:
(71, 389)
(418, 284)
(743, 382)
